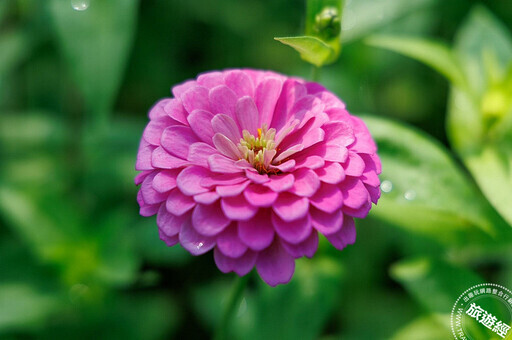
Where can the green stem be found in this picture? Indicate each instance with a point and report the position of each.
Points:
(232, 303)
(315, 73)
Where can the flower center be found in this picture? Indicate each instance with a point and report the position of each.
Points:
(260, 150)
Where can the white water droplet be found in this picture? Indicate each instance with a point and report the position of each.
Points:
(80, 5)
(410, 195)
(386, 186)
(199, 245)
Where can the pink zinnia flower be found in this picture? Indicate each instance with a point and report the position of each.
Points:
(254, 165)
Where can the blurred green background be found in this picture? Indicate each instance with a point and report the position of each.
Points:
(76, 259)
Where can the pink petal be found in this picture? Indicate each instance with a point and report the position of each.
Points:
(311, 162)
(237, 208)
(345, 236)
(231, 190)
(295, 231)
(303, 105)
(354, 193)
(169, 241)
(149, 194)
(177, 140)
(290, 93)
(222, 164)
(178, 204)
(196, 98)
(288, 152)
(354, 166)
(223, 100)
(176, 111)
(305, 136)
(339, 133)
(290, 207)
(260, 196)
(280, 183)
(328, 198)
(206, 197)
(330, 153)
(275, 265)
(146, 210)
(224, 124)
(329, 99)
(256, 177)
(149, 209)
(370, 178)
(195, 243)
(155, 128)
(224, 179)
(226, 147)
(306, 183)
(374, 193)
(157, 111)
(165, 180)
(240, 83)
(208, 219)
(360, 212)
(258, 232)
(241, 265)
(364, 142)
(287, 166)
(247, 114)
(229, 243)
(199, 121)
(180, 89)
(332, 173)
(314, 87)
(308, 247)
(189, 180)
(266, 96)
(338, 114)
(144, 158)
(169, 224)
(199, 152)
(210, 79)
(141, 177)
(326, 223)
(162, 159)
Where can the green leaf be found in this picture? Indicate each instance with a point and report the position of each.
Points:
(435, 54)
(297, 310)
(423, 328)
(425, 191)
(435, 284)
(480, 34)
(321, 43)
(16, 46)
(492, 169)
(487, 152)
(27, 219)
(32, 131)
(311, 49)
(23, 306)
(365, 16)
(96, 43)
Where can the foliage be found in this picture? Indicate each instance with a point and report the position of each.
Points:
(78, 261)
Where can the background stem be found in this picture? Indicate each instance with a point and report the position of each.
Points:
(231, 305)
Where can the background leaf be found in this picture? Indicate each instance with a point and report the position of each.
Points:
(425, 191)
(435, 54)
(106, 28)
(311, 49)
